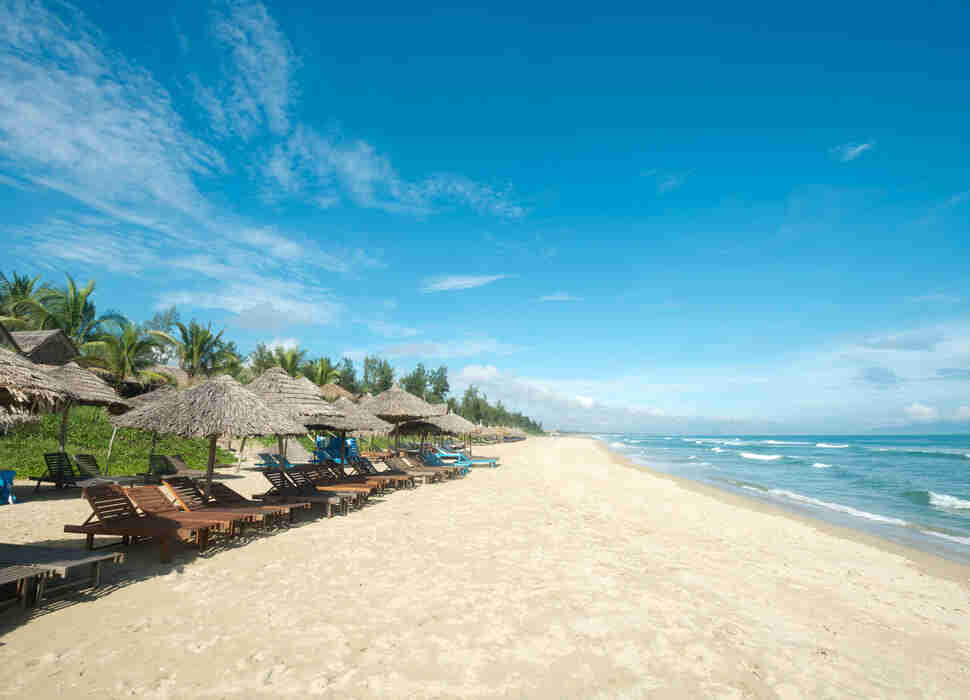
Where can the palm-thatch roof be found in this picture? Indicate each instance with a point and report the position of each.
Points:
(52, 347)
(364, 397)
(355, 419)
(89, 389)
(453, 423)
(418, 427)
(216, 407)
(25, 385)
(12, 416)
(297, 397)
(331, 392)
(440, 409)
(397, 405)
(148, 397)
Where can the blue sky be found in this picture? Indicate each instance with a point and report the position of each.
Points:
(729, 218)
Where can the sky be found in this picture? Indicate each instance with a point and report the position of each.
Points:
(711, 218)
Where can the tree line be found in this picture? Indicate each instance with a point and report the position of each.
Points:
(125, 351)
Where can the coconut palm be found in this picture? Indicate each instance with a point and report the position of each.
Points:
(18, 299)
(126, 352)
(321, 371)
(70, 308)
(196, 347)
(290, 359)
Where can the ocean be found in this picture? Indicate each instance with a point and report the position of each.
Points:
(913, 490)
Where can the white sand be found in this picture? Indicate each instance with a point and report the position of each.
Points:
(561, 574)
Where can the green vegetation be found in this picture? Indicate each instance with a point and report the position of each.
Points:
(88, 432)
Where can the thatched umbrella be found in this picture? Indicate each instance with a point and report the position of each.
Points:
(216, 407)
(396, 406)
(88, 389)
(331, 392)
(366, 396)
(297, 397)
(137, 402)
(25, 386)
(440, 409)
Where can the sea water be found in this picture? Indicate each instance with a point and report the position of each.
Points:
(910, 489)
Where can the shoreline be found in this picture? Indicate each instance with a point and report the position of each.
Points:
(929, 563)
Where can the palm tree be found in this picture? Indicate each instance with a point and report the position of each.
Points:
(18, 299)
(71, 309)
(197, 347)
(321, 371)
(290, 359)
(126, 352)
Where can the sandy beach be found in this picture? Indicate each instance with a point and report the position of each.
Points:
(564, 573)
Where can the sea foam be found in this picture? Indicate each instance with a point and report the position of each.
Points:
(821, 465)
(829, 446)
(848, 510)
(945, 500)
(763, 458)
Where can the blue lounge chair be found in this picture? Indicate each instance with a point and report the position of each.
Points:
(433, 460)
(462, 458)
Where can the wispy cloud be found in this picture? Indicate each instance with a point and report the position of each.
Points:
(389, 329)
(259, 72)
(936, 298)
(452, 282)
(850, 151)
(879, 377)
(559, 296)
(908, 340)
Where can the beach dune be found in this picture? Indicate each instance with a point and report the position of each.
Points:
(563, 573)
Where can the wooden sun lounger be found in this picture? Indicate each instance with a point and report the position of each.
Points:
(163, 465)
(226, 496)
(88, 468)
(26, 579)
(324, 481)
(60, 473)
(283, 489)
(191, 498)
(154, 501)
(114, 514)
(59, 562)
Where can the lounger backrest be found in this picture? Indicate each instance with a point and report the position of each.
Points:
(301, 479)
(59, 467)
(177, 462)
(185, 492)
(224, 494)
(279, 481)
(152, 500)
(109, 503)
(87, 466)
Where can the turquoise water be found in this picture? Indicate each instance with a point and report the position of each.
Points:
(910, 489)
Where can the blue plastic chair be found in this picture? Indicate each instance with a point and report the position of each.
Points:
(6, 486)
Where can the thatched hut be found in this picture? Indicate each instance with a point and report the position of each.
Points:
(149, 396)
(332, 392)
(215, 408)
(88, 390)
(26, 387)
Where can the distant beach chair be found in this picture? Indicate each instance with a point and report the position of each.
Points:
(462, 458)
(163, 465)
(429, 459)
(89, 469)
(224, 495)
(114, 514)
(192, 499)
(60, 473)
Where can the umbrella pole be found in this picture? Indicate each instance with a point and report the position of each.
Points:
(343, 449)
(279, 443)
(67, 408)
(154, 440)
(111, 442)
(210, 467)
(239, 457)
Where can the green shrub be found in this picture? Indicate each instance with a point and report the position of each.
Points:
(88, 432)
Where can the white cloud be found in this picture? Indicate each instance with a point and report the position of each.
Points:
(850, 151)
(666, 181)
(962, 413)
(921, 413)
(259, 73)
(584, 401)
(389, 329)
(330, 167)
(452, 282)
(560, 296)
(469, 347)
(923, 339)
(283, 343)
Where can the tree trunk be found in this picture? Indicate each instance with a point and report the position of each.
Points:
(210, 467)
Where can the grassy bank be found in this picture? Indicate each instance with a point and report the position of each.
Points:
(89, 432)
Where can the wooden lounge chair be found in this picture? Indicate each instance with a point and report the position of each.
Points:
(114, 514)
(24, 579)
(191, 498)
(154, 501)
(59, 562)
(88, 468)
(226, 496)
(415, 467)
(323, 480)
(284, 490)
(365, 467)
(60, 473)
(162, 465)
